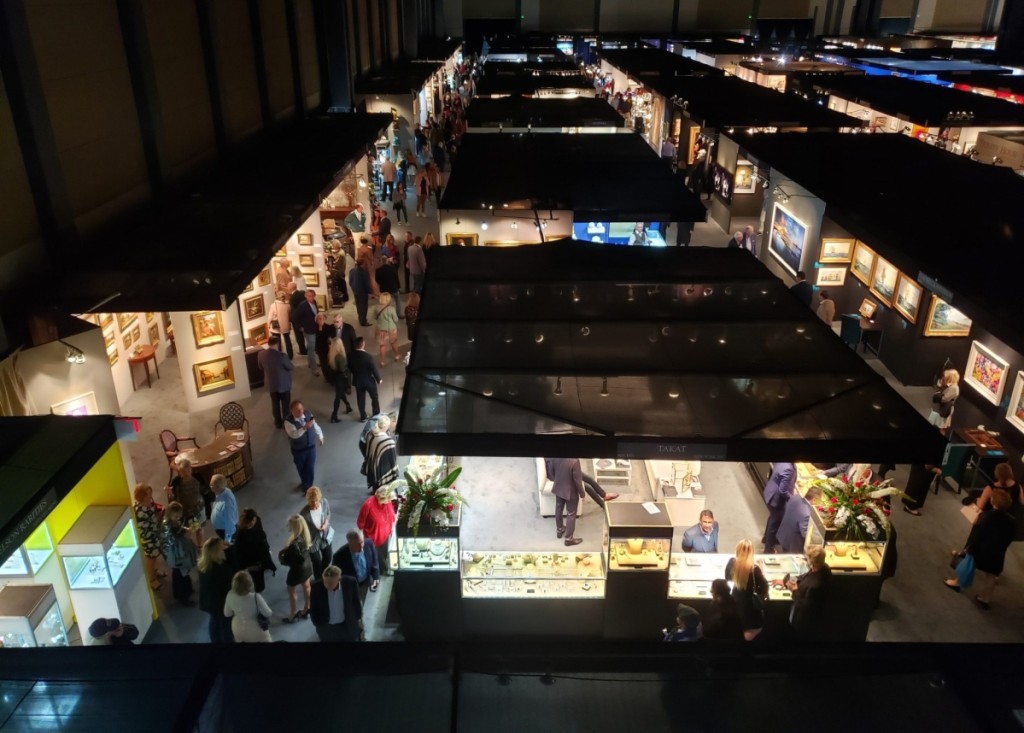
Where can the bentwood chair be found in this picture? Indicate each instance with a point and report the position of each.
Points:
(232, 417)
(171, 444)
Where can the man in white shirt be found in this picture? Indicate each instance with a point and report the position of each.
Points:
(334, 606)
(224, 514)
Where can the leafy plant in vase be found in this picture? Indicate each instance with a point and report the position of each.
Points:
(857, 511)
(429, 499)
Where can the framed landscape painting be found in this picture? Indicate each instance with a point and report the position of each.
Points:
(908, 298)
(836, 251)
(214, 374)
(305, 260)
(986, 372)
(787, 239)
(259, 335)
(124, 320)
(883, 280)
(867, 308)
(264, 277)
(945, 320)
(305, 239)
(1015, 414)
(461, 240)
(831, 277)
(154, 334)
(863, 262)
(207, 328)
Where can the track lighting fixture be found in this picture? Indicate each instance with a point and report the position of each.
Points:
(72, 354)
(558, 386)
(604, 387)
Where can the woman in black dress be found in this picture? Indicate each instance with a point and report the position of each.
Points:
(749, 589)
(295, 557)
(918, 485)
(325, 332)
(250, 550)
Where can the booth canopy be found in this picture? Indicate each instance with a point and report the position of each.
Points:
(644, 64)
(520, 112)
(408, 77)
(506, 80)
(959, 221)
(198, 249)
(576, 349)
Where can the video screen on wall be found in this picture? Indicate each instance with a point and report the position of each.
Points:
(619, 232)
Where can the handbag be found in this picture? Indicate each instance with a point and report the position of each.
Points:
(263, 621)
(965, 571)
(329, 537)
(955, 560)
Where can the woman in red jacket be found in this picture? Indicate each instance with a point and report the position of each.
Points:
(376, 520)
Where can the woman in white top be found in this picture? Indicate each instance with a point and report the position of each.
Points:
(281, 312)
(241, 606)
(298, 279)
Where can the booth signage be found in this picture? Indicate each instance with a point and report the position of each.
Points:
(932, 284)
(672, 451)
(15, 536)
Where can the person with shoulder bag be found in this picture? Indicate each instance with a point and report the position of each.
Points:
(295, 556)
(249, 613)
(980, 563)
(946, 393)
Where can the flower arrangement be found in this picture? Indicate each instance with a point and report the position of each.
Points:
(428, 499)
(857, 510)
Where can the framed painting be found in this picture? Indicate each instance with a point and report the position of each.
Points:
(787, 239)
(305, 239)
(908, 298)
(462, 240)
(321, 302)
(124, 320)
(503, 243)
(281, 252)
(112, 356)
(248, 288)
(83, 404)
(165, 318)
(254, 307)
(745, 180)
(108, 338)
(264, 278)
(150, 316)
(836, 251)
(105, 320)
(1015, 413)
(883, 280)
(986, 372)
(207, 328)
(863, 262)
(945, 320)
(834, 277)
(305, 261)
(867, 308)
(259, 335)
(126, 341)
(136, 334)
(312, 278)
(214, 374)
(154, 334)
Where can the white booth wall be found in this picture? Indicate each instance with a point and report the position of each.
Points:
(500, 229)
(803, 206)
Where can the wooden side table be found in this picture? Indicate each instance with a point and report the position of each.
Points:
(145, 354)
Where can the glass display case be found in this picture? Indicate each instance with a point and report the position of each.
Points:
(636, 553)
(428, 553)
(124, 549)
(98, 548)
(30, 616)
(691, 574)
(639, 536)
(533, 575)
(28, 559)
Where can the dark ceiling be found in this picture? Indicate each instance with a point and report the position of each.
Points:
(545, 112)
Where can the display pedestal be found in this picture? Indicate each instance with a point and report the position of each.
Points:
(635, 606)
(562, 619)
(429, 605)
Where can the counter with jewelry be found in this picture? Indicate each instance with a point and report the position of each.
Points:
(533, 575)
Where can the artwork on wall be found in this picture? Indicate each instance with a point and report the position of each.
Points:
(461, 240)
(150, 316)
(248, 288)
(503, 243)
(945, 320)
(154, 334)
(321, 302)
(1015, 413)
(836, 251)
(304, 261)
(207, 328)
(254, 307)
(259, 335)
(883, 280)
(281, 252)
(745, 180)
(83, 404)
(124, 320)
(787, 239)
(264, 278)
(136, 334)
(108, 338)
(126, 341)
(312, 278)
(105, 320)
(867, 308)
(831, 276)
(112, 355)
(721, 182)
(908, 298)
(863, 262)
(214, 374)
(305, 239)
(986, 372)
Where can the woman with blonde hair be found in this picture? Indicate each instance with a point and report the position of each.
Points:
(279, 317)
(244, 606)
(215, 573)
(946, 393)
(1006, 482)
(338, 361)
(295, 557)
(385, 321)
(749, 588)
(284, 274)
(412, 313)
(149, 519)
(299, 279)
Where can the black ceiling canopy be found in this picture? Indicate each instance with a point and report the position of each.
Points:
(573, 348)
(198, 250)
(407, 77)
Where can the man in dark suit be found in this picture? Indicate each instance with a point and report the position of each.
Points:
(365, 377)
(567, 486)
(334, 606)
(347, 333)
(792, 531)
(277, 368)
(357, 558)
(703, 536)
(802, 289)
(807, 616)
(777, 492)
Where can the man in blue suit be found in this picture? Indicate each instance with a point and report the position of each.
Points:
(703, 536)
(777, 492)
(792, 532)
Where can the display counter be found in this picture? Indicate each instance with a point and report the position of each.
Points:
(29, 559)
(533, 575)
(691, 574)
(639, 540)
(29, 616)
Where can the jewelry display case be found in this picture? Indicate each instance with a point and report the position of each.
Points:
(29, 559)
(639, 541)
(30, 617)
(691, 574)
(533, 575)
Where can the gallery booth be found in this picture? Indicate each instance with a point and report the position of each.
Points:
(522, 114)
(913, 282)
(605, 188)
(670, 374)
(409, 92)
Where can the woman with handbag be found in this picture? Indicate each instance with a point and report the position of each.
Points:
(280, 321)
(749, 589)
(986, 550)
(250, 550)
(946, 393)
(295, 557)
(317, 515)
(249, 613)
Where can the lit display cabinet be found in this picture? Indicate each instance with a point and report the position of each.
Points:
(529, 575)
(691, 574)
(30, 617)
(639, 542)
(100, 554)
(428, 553)
(29, 559)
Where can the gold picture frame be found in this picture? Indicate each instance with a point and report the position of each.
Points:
(836, 251)
(126, 341)
(283, 252)
(105, 320)
(259, 335)
(248, 288)
(214, 374)
(83, 404)
(108, 338)
(863, 264)
(945, 321)
(504, 243)
(307, 260)
(468, 240)
(321, 302)
(312, 278)
(305, 239)
(867, 308)
(136, 334)
(207, 328)
(884, 279)
(264, 278)
(124, 320)
(254, 307)
(154, 334)
(150, 316)
(112, 356)
(907, 301)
